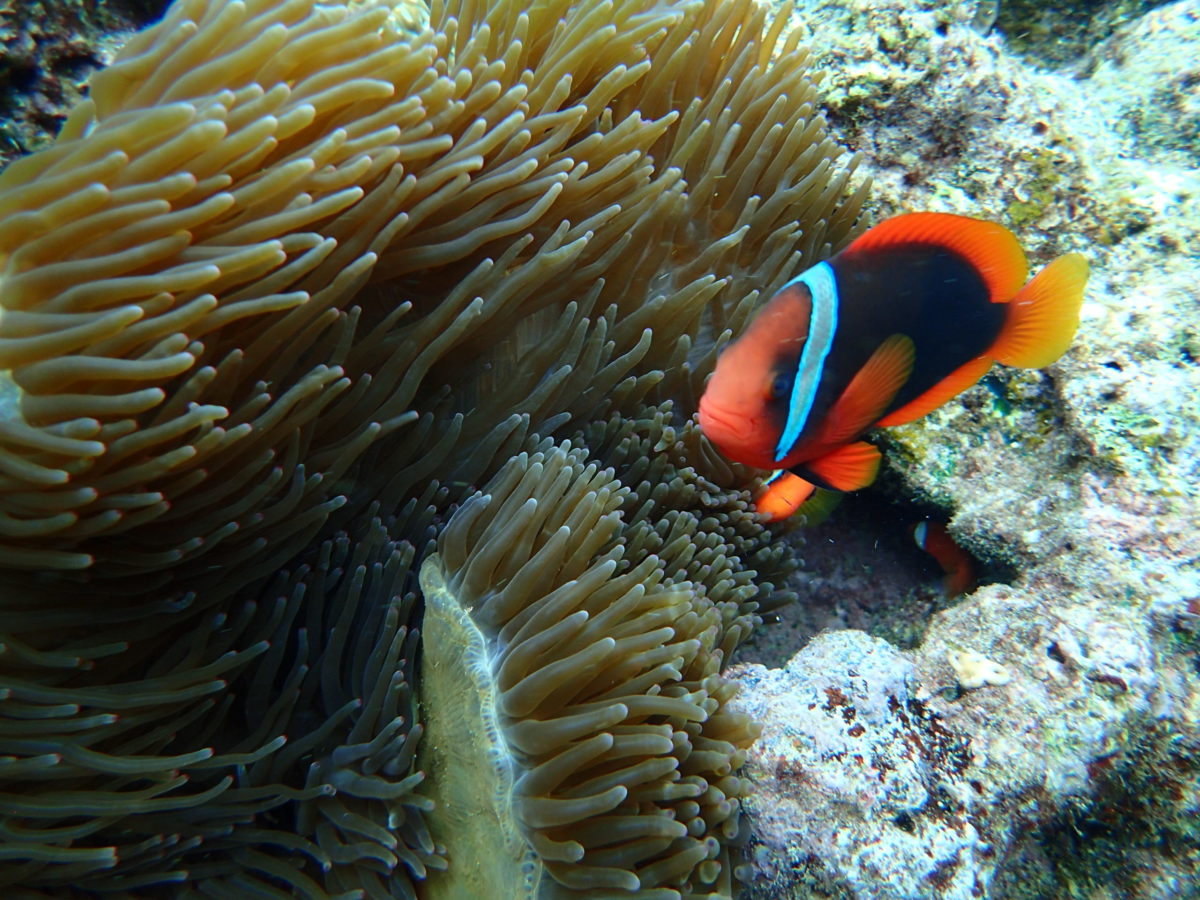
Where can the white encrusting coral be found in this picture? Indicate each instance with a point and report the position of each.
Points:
(974, 670)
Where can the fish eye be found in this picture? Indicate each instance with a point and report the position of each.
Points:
(780, 385)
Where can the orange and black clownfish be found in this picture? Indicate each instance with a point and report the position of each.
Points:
(912, 313)
(956, 563)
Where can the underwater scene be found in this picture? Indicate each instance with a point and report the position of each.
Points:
(549, 449)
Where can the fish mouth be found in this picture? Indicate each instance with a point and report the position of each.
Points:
(723, 429)
(737, 437)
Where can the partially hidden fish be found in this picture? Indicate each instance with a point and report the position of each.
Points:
(957, 565)
(912, 313)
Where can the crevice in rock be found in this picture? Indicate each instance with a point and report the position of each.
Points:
(862, 569)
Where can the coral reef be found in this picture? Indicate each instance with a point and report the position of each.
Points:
(1147, 76)
(296, 278)
(1063, 32)
(1074, 487)
(47, 53)
(858, 787)
(291, 282)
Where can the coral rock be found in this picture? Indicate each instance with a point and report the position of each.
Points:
(858, 787)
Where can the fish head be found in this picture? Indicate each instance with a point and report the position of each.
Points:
(745, 403)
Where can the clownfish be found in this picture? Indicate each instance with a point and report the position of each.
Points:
(956, 563)
(910, 314)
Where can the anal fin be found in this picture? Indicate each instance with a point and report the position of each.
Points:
(784, 495)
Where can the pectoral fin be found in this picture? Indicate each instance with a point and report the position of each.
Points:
(870, 391)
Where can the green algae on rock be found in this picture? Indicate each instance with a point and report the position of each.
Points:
(1061, 33)
(577, 738)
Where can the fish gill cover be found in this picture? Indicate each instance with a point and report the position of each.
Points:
(291, 283)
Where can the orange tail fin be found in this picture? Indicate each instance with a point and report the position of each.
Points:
(1042, 318)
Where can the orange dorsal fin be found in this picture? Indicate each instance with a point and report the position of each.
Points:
(848, 468)
(870, 391)
(1042, 318)
(991, 248)
(950, 386)
(784, 495)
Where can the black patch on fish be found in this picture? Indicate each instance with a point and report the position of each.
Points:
(926, 291)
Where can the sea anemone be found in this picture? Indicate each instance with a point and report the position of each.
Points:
(292, 282)
(573, 697)
(275, 230)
